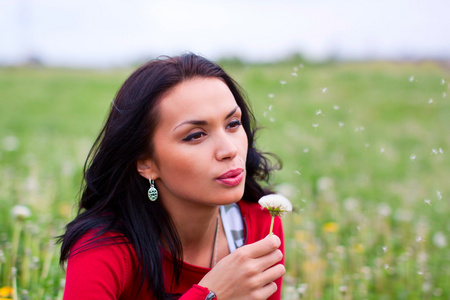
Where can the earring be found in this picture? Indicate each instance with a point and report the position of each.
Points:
(152, 191)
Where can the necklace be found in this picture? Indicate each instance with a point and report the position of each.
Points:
(215, 245)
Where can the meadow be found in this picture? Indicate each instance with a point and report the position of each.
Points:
(365, 160)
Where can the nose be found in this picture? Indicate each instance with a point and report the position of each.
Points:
(226, 147)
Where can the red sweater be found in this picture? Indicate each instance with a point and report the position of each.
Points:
(108, 271)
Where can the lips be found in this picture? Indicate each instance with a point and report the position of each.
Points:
(232, 177)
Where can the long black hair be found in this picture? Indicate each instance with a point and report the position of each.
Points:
(114, 196)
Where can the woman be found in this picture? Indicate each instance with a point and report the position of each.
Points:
(169, 209)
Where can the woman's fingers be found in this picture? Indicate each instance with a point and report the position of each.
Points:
(262, 247)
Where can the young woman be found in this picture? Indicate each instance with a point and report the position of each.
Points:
(169, 208)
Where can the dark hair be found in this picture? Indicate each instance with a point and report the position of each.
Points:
(115, 194)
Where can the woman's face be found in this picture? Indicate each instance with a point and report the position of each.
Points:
(200, 146)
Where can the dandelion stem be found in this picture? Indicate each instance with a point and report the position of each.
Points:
(271, 225)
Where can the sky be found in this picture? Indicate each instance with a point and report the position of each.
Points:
(102, 33)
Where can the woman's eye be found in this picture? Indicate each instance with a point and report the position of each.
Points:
(234, 124)
(195, 136)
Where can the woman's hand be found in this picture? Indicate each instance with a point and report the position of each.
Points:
(247, 273)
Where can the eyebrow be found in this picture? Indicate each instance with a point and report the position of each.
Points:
(202, 122)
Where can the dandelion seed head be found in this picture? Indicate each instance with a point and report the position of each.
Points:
(351, 204)
(384, 209)
(21, 212)
(10, 143)
(276, 204)
(439, 240)
(324, 183)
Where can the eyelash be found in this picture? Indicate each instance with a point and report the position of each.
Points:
(192, 137)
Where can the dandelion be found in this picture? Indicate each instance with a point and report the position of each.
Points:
(439, 240)
(384, 209)
(6, 292)
(277, 205)
(330, 227)
(21, 212)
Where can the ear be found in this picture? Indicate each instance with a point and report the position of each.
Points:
(147, 169)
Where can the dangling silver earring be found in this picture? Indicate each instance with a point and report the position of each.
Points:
(152, 191)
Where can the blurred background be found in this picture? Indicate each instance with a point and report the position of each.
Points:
(351, 95)
(114, 33)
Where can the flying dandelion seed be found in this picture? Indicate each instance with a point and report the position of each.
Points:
(272, 119)
(265, 114)
(430, 100)
(324, 90)
(315, 125)
(271, 95)
(270, 107)
(335, 107)
(319, 112)
(439, 195)
(444, 94)
(442, 81)
(419, 239)
(385, 248)
(306, 150)
(10, 143)
(387, 267)
(441, 151)
(434, 151)
(282, 82)
(411, 79)
(295, 69)
(297, 172)
(412, 157)
(341, 124)
(427, 201)
(294, 74)
(367, 145)
(420, 272)
(301, 66)
(382, 150)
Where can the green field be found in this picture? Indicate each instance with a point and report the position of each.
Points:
(365, 151)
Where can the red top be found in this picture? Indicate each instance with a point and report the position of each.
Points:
(108, 271)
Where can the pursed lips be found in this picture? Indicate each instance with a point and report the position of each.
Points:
(232, 177)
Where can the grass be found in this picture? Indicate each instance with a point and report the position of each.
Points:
(365, 161)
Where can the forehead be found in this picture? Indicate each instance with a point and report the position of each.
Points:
(197, 98)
